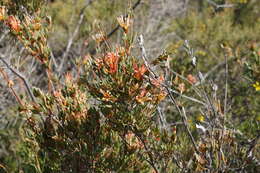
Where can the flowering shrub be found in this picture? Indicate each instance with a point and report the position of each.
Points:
(103, 120)
(113, 113)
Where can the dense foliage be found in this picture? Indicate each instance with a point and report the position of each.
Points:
(79, 96)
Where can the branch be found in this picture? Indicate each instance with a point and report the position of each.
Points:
(10, 85)
(74, 34)
(116, 28)
(220, 6)
(17, 73)
(168, 89)
(188, 130)
(226, 87)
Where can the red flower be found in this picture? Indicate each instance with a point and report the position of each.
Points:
(111, 60)
(139, 71)
(13, 23)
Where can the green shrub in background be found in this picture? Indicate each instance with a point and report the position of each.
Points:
(208, 31)
(66, 19)
(101, 116)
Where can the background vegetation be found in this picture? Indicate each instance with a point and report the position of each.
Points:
(129, 86)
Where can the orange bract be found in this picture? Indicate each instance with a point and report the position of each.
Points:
(139, 71)
(191, 79)
(107, 96)
(13, 23)
(124, 22)
(111, 60)
(142, 98)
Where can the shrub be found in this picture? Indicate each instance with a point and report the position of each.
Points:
(113, 112)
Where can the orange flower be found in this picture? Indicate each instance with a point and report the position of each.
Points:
(158, 82)
(13, 23)
(111, 60)
(191, 79)
(124, 22)
(161, 96)
(141, 98)
(107, 96)
(139, 71)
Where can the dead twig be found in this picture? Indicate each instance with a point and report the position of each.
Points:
(217, 6)
(74, 34)
(17, 73)
(92, 52)
(168, 90)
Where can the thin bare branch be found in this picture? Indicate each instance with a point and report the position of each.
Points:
(17, 73)
(74, 34)
(138, 2)
(174, 102)
(217, 6)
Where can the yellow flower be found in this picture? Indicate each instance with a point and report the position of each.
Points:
(200, 118)
(258, 117)
(124, 22)
(256, 86)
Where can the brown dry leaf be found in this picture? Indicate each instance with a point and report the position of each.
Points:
(142, 98)
(124, 22)
(10, 83)
(176, 80)
(100, 37)
(161, 96)
(203, 147)
(68, 78)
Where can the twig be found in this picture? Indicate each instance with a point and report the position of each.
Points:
(115, 29)
(151, 161)
(154, 76)
(217, 6)
(17, 73)
(187, 97)
(74, 34)
(188, 130)
(144, 56)
(162, 117)
(118, 26)
(190, 52)
(226, 85)
(10, 86)
(53, 58)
